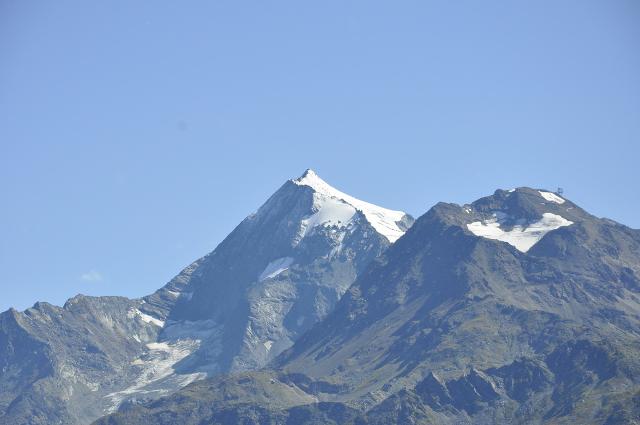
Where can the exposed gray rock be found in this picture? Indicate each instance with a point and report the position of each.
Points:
(519, 308)
(278, 273)
(59, 364)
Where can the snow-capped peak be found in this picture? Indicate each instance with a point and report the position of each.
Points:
(383, 220)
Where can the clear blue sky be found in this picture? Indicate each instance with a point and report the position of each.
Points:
(134, 135)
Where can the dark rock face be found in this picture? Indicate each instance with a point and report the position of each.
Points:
(519, 308)
(59, 364)
(23, 361)
(279, 272)
(523, 378)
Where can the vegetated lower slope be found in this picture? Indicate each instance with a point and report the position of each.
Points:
(518, 308)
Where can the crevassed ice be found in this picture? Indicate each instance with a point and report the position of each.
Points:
(521, 237)
(329, 212)
(551, 197)
(275, 267)
(382, 219)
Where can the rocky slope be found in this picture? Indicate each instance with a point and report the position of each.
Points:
(58, 363)
(278, 273)
(518, 308)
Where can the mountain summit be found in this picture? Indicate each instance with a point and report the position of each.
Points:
(280, 271)
(520, 308)
(391, 224)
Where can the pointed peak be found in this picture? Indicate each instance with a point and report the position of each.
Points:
(309, 172)
(385, 221)
(310, 178)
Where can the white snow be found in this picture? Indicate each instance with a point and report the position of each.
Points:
(157, 374)
(551, 197)
(383, 220)
(329, 212)
(149, 319)
(268, 345)
(157, 365)
(521, 237)
(275, 267)
(174, 294)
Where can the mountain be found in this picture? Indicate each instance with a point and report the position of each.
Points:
(518, 308)
(279, 272)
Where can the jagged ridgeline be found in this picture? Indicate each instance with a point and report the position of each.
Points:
(277, 274)
(520, 308)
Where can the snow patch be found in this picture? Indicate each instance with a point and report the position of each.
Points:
(551, 197)
(520, 236)
(149, 319)
(158, 365)
(267, 345)
(382, 219)
(329, 212)
(275, 267)
(157, 375)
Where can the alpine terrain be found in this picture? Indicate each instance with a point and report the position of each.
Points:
(279, 272)
(520, 308)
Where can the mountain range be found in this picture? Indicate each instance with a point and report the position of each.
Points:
(520, 307)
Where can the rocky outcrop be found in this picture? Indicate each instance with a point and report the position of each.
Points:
(278, 273)
(518, 308)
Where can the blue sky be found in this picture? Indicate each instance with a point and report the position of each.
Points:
(135, 135)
